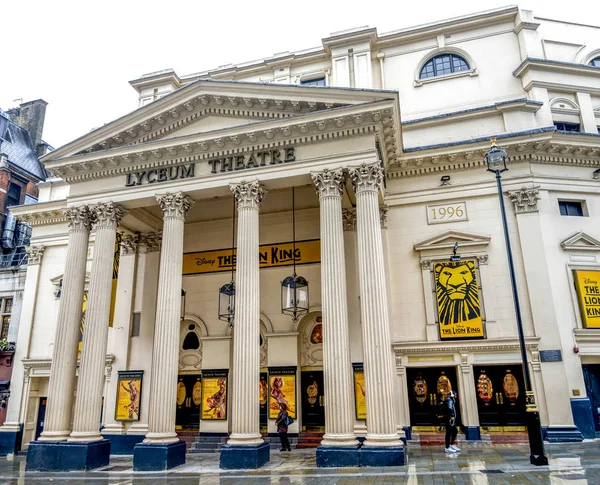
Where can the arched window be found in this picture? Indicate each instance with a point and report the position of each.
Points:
(595, 62)
(443, 64)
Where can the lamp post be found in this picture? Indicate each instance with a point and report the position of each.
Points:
(495, 160)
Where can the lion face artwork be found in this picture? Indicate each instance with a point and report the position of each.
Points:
(457, 296)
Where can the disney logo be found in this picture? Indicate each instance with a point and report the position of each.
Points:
(203, 261)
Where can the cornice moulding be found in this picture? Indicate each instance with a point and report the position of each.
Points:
(478, 346)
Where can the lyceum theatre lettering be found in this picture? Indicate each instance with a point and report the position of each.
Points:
(253, 160)
(160, 175)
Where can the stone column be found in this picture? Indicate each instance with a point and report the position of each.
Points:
(337, 375)
(377, 347)
(245, 427)
(88, 403)
(57, 426)
(165, 355)
(121, 330)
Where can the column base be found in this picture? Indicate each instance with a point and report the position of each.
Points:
(47, 456)
(123, 444)
(337, 456)
(155, 458)
(244, 457)
(10, 441)
(563, 434)
(472, 433)
(384, 456)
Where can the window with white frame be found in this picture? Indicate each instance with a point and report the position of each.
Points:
(442, 65)
(595, 62)
(5, 311)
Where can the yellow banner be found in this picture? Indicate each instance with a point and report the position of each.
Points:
(360, 399)
(113, 294)
(587, 284)
(214, 395)
(457, 294)
(282, 385)
(280, 254)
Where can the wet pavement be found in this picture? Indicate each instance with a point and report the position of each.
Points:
(480, 464)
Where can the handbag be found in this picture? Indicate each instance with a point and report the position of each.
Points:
(288, 421)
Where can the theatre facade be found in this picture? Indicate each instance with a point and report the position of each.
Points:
(235, 245)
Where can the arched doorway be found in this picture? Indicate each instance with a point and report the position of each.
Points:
(189, 382)
(312, 395)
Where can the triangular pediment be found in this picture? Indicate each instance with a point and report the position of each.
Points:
(446, 241)
(211, 105)
(581, 242)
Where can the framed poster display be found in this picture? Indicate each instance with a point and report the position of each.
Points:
(457, 299)
(214, 394)
(282, 389)
(587, 284)
(129, 392)
(360, 400)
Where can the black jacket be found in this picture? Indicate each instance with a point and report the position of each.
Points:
(449, 409)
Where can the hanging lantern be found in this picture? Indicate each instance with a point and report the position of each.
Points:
(227, 291)
(294, 296)
(227, 302)
(182, 316)
(294, 288)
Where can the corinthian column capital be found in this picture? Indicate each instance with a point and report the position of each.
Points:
(174, 205)
(129, 244)
(349, 219)
(329, 183)
(107, 214)
(248, 194)
(34, 254)
(80, 218)
(525, 199)
(366, 177)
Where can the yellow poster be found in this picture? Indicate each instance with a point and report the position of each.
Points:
(115, 276)
(129, 390)
(360, 399)
(587, 284)
(82, 324)
(457, 294)
(214, 394)
(282, 389)
(281, 254)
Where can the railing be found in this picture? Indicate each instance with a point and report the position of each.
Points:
(13, 260)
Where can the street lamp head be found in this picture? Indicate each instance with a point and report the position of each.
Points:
(495, 158)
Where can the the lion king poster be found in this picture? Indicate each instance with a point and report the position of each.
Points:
(214, 394)
(129, 390)
(282, 389)
(458, 305)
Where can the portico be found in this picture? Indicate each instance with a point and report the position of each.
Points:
(167, 173)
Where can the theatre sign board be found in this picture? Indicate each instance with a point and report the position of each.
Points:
(270, 255)
(254, 159)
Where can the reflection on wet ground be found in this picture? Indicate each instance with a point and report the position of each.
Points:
(480, 464)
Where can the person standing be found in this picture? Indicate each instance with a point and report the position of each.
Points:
(450, 422)
(282, 422)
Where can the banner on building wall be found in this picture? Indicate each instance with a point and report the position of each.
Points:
(270, 255)
(214, 394)
(360, 399)
(82, 323)
(457, 297)
(282, 389)
(115, 276)
(587, 284)
(129, 391)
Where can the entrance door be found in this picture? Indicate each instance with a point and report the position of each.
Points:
(189, 398)
(500, 397)
(313, 400)
(591, 376)
(41, 417)
(428, 387)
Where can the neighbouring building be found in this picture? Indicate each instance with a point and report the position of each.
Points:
(21, 145)
(361, 161)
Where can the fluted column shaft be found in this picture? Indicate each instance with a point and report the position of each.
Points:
(377, 347)
(245, 422)
(88, 403)
(337, 369)
(57, 423)
(165, 355)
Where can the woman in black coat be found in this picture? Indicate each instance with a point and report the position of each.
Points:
(282, 427)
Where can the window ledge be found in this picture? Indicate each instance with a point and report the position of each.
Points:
(454, 75)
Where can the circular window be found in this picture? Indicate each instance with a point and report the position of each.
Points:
(192, 327)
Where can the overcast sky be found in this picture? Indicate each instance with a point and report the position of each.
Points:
(80, 55)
